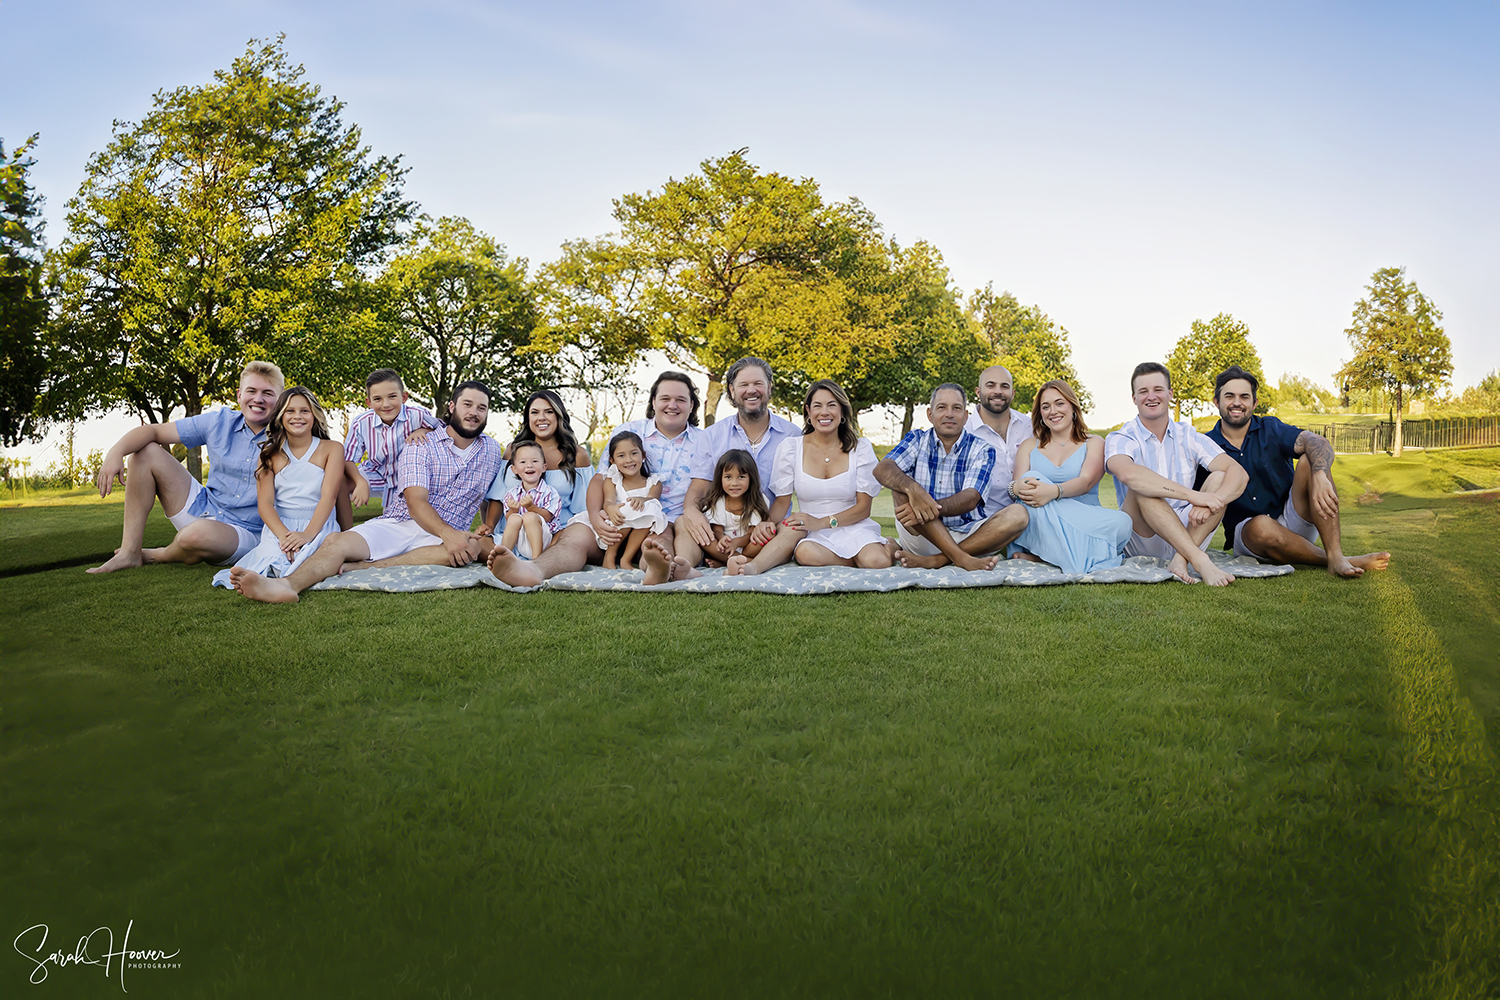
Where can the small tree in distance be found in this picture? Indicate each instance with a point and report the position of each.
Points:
(1398, 344)
(1207, 350)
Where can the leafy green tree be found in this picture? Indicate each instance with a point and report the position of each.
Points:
(225, 226)
(1305, 394)
(23, 305)
(1198, 358)
(1398, 343)
(591, 327)
(927, 338)
(472, 311)
(1026, 341)
(706, 261)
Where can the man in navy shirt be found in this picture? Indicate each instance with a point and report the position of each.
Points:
(1290, 500)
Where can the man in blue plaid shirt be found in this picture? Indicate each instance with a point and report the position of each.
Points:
(939, 478)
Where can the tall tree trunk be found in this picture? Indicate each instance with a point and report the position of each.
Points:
(1396, 440)
(906, 418)
(194, 455)
(711, 400)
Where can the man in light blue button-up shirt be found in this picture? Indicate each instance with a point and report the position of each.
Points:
(216, 522)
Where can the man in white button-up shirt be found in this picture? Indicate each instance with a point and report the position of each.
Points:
(1154, 462)
(1000, 427)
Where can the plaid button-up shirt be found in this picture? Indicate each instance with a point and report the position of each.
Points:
(942, 474)
(456, 481)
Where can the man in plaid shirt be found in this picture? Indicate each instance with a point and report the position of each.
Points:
(939, 478)
(443, 481)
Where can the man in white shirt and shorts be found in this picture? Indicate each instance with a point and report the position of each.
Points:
(1154, 462)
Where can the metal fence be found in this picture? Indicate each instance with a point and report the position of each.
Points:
(1436, 432)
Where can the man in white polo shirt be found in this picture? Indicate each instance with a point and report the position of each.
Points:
(1154, 462)
(1000, 427)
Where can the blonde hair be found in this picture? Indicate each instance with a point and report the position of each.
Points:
(265, 370)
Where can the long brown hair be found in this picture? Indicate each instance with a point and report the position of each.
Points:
(276, 433)
(1039, 428)
(567, 443)
(847, 438)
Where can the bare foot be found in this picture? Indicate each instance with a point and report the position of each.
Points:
(1357, 565)
(1213, 575)
(120, 560)
(657, 562)
(512, 569)
(624, 564)
(258, 588)
(149, 556)
(913, 561)
(711, 562)
(1179, 568)
(975, 564)
(740, 566)
(682, 569)
(609, 559)
(1026, 557)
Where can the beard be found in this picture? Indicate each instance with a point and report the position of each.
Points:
(466, 433)
(1004, 405)
(1236, 424)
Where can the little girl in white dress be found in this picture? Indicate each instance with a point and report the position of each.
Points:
(632, 498)
(297, 486)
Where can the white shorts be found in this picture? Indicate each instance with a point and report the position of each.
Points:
(1156, 546)
(245, 539)
(1289, 519)
(918, 545)
(523, 542)
(388, 537)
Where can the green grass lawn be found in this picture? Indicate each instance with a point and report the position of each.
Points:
(1286, 789)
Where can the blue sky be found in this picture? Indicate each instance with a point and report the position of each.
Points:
(1127, 167)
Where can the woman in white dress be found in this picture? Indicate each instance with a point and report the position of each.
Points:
(832, 474)
(296, 485)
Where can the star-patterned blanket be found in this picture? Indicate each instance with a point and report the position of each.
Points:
(790, 579)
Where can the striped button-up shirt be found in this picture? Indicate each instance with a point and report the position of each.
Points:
(968, 466)
(670, 458)
(375, 445)
(1176, 456)
(1005, 453)
(455, 479)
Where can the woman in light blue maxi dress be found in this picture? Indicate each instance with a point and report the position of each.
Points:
(1068, 527)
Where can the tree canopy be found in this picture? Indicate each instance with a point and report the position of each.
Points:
(1208, 349)
(1027, 342)
(472, 312)
(1398, 344)
(23, 305)
(236, 220)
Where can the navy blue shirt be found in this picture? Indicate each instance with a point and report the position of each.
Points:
(1269, 458)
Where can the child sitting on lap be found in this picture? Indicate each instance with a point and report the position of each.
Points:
(531, 507)
(734, 504)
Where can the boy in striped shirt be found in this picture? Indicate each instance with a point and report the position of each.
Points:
(377, 436)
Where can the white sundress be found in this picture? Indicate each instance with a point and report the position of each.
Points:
(823, 497)
(299, 487)
(719, 514)
(650, 516)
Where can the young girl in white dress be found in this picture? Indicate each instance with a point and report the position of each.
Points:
(632, 498)
(734, 504)
(296, 486)
(832, 473)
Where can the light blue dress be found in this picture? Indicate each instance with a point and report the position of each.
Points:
(1075, 534)
(299, 487)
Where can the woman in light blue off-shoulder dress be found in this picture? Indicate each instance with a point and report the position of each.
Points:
(1057, 475)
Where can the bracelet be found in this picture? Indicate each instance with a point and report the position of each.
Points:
(1059, 491)
(1012, 489)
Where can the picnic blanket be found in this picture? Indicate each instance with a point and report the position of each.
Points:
(789, 579)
